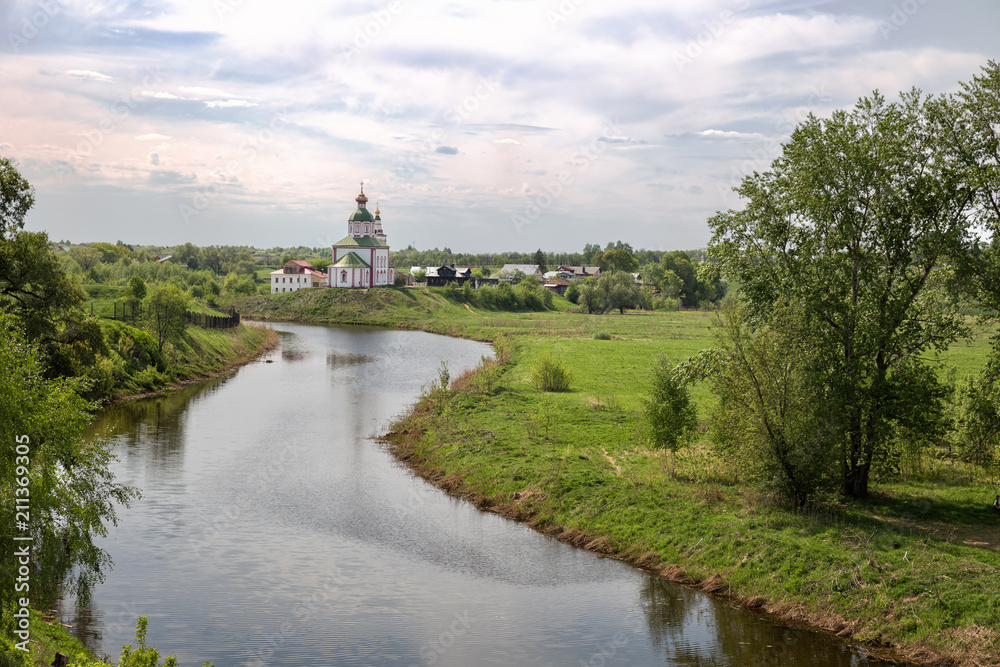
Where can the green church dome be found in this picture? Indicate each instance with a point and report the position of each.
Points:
(361, 215)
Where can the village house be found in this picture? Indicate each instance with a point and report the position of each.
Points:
(361, 259)
(581, 272)
(296, 274)
(509, 270)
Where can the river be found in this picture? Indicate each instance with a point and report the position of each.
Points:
(274, 530)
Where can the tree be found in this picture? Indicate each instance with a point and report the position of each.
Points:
(16, 198)
(420, 276)
(620, 291)
(86, 257)
(771, 420)
(136, 289)
(47, 302)
(590, 251)
(165, 310)
(539, 259)
(321, 264)
(851, 223)
(73, 493)
(620, 260)
(670, 413)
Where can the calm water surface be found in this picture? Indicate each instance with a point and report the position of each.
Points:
(273, 530)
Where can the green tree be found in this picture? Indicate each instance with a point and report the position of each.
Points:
(770, 420)
(17, 196)
(86, 257)
(73, 493)
(670, 413)
(165, 312)
(620, 291)
(573, 293)
(539, 259)
(136, 289)
(620, 260)
(590, 252)
(851, 222)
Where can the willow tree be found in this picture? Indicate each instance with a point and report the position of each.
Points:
(855, 221)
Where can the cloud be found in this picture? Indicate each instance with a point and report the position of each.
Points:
(730, 134)
(204, 92)
(447, 150)
(154, 159)
(152, 137)
(87, 74)
(160, 95)
(507, 141)
(226, 104)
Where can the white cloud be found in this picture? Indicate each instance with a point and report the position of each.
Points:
(508, 141)
(152, 137)
(225, 104)
(160, 95)
(87, 74)
(203, 92)
(730, 134)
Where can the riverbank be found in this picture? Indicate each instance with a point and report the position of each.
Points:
(200, 354)
(915, 568)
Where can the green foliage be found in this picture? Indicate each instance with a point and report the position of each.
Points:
(549, 373)
(620, 260)
(854, 223)
(420, 276)
(602, 335)
(239, 285)
(142, 655)
(573, 293)
(16, 198)
(670, 413)
(136, 289)
(770, 420)
(165, 313)
(978, 415)
(73, 493)
(539, 259)
(612, 291)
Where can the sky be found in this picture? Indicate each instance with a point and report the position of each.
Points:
(477, 125)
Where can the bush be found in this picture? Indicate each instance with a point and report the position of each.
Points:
(550, 374)
(602, 335)
(573, 293)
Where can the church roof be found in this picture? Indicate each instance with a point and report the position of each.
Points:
(361, 215)
(360, 242)
(350, 261)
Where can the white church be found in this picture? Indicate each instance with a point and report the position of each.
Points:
(361, 259)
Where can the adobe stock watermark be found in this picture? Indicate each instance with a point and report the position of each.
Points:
(454, 117)
(563, 11)
(713, 29)
(899, 16)
(759, 159)
(324, 595)
(21, 548)
(249, 149)
(554, 188)
(120, 111)
(32, 24)
(370, 30)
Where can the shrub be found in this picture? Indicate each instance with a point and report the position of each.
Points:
(602, 335)
(549, 373)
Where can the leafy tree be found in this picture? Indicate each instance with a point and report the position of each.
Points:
(771, 420)
(321, 264)
(420, 276)
(620, 260)
(850, 223)
(73, 493)
(136, 289)
(86, 257)
(239, 285)
(590, 251)
(17, 196)
(620, 290)
(670, 413)
(48, 304)
(165, 310)
(573, 293)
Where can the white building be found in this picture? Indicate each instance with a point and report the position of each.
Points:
(361, 259)
(296, 274)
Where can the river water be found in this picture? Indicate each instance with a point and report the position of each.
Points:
(273, 530)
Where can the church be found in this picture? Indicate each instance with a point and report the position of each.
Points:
(361, 259)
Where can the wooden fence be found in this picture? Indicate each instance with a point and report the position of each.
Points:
(214, 321)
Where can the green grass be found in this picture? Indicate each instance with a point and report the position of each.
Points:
(916, 566)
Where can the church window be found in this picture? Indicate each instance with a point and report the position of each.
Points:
(343, 276)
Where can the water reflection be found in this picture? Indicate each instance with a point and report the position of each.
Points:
(259, 489)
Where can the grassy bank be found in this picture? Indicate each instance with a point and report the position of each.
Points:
(133, 369)
(916, 567)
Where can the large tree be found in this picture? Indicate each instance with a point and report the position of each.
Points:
(165, 311)
(72, 492)
(853, 223)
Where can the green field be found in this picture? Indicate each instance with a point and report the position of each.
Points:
(916, 567)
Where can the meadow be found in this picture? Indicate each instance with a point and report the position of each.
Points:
(914, 569)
